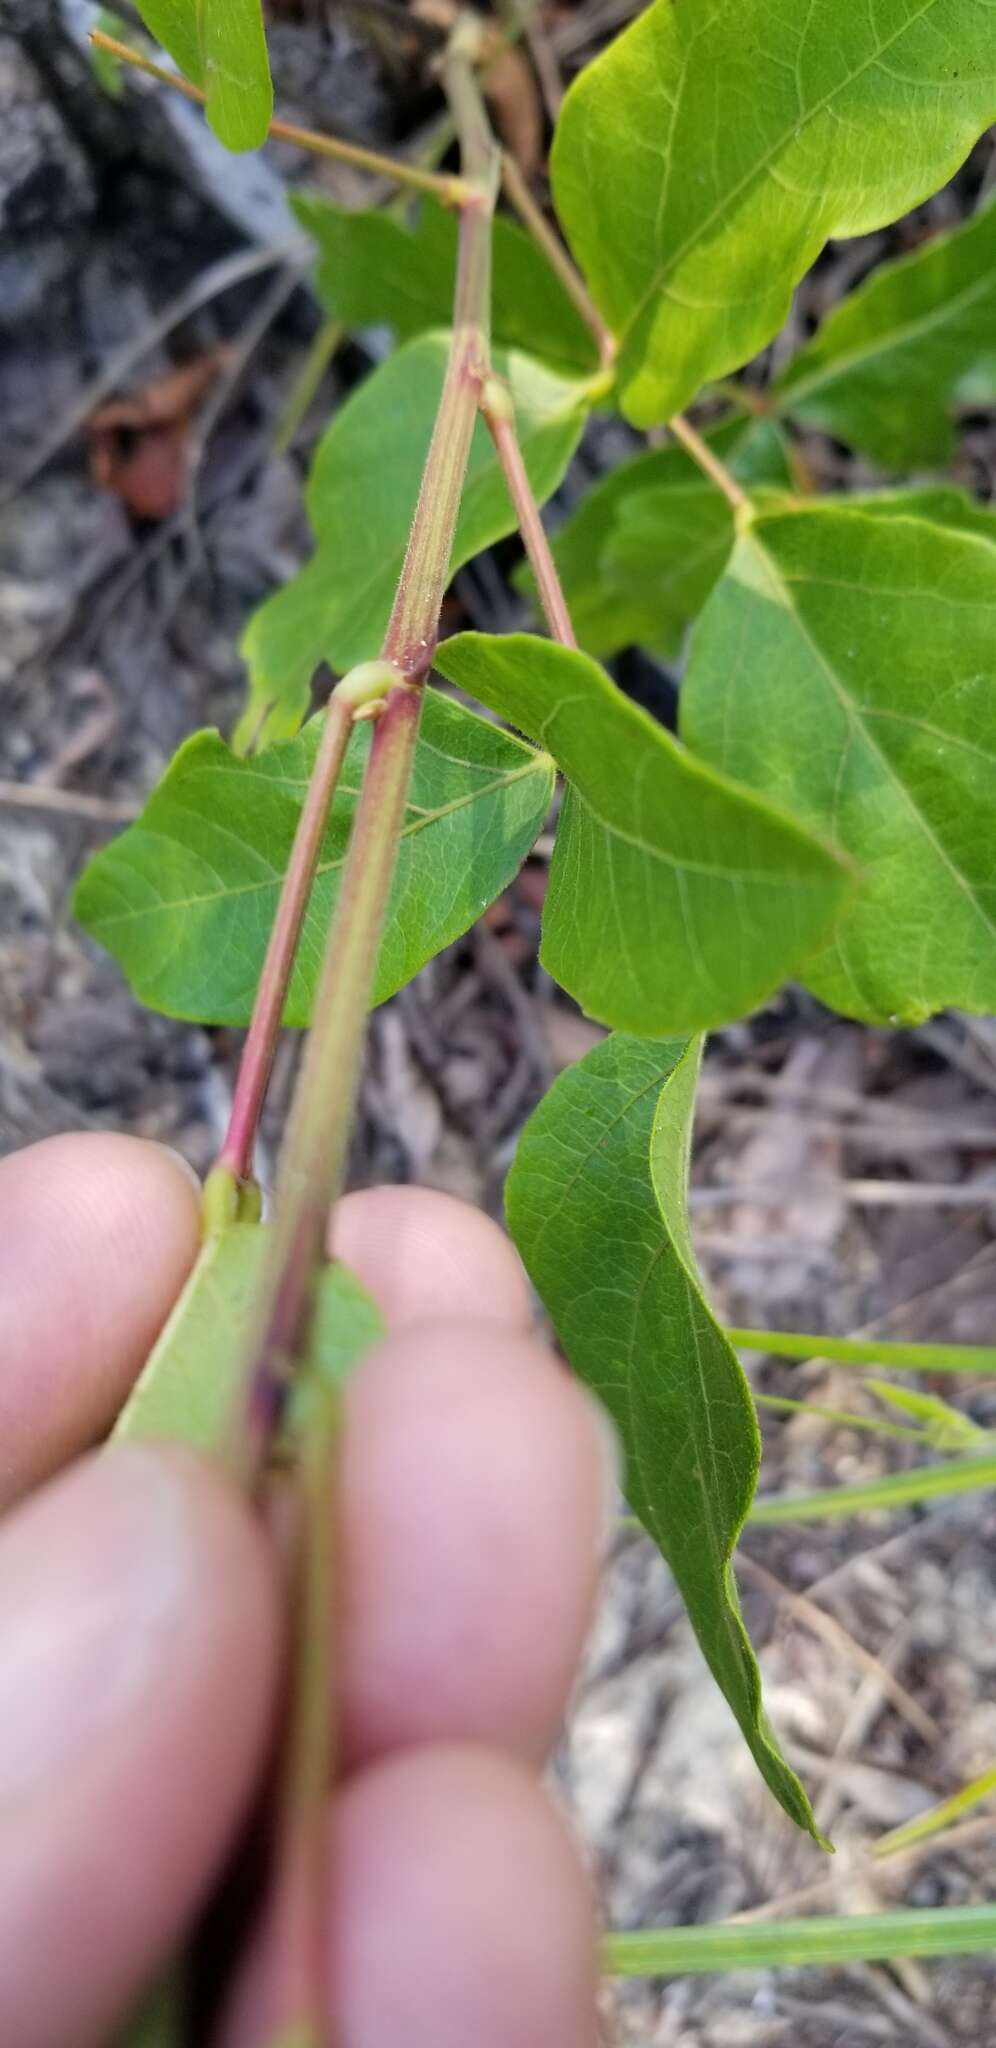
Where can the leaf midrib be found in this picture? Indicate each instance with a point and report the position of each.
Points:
(539, 764)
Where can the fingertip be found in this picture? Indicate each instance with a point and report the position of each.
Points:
(474, 1490)
(460, 1909)
(97, 1234)
(138, 1606)
(423, 1253)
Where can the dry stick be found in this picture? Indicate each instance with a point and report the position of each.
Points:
(38, 796)
(452, 191)
(220, 277)
(314, 1150)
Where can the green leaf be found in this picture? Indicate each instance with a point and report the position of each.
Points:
(189, 1385)
(638, 558)
(185, 898)
(373, 270)
(942, 504)
(701, 163)
(364, 485)
(597, 1207)
(889, 366)
(221, 46)
(675, 900)
(845, 667)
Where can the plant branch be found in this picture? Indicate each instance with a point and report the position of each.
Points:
(546, 238)
(706, 460)
(314, 1150)
(499, 413)
(452, 191)
(362, 686)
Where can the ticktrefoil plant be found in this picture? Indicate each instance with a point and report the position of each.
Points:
(826, 812)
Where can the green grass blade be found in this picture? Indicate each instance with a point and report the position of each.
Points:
(896, 1490)
(766, 1945)
(895, 1356)
(938, 1817)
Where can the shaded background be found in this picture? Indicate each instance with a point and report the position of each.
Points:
(843, 1177)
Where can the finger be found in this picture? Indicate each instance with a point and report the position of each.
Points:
(422, 1253)
(459, 1913)
(475, 1483)
(97, 1234)
(139, 1623)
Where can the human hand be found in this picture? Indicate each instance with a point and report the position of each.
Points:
(140, 1630)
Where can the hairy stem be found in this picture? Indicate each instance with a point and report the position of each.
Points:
(499, 413)
(314, 1150)
(257, 1055)
(452, 191)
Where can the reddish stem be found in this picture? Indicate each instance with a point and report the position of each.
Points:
(261, 1040)
(496, 405)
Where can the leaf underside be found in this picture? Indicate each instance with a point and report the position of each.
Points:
(185, 898)
(703, 160)
(597, 1206)
(846, 667)
(364, 482)
(675, 901)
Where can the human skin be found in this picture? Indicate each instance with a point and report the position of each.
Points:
(141, 1630)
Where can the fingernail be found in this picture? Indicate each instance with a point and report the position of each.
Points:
(95, 1577)
(610, 1449)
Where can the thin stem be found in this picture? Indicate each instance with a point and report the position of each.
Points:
(844, 1938)
(257, 1055)
(897, 1356)
(295, 1920)
(314, 1150)
(452, 191)
(499, 414)
(313, 367)
(546, 238)
(706, 460)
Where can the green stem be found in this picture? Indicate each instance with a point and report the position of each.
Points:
(452, 191)
(841, 1938)
(306, 383)
(546, 238)
(898, 1357)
